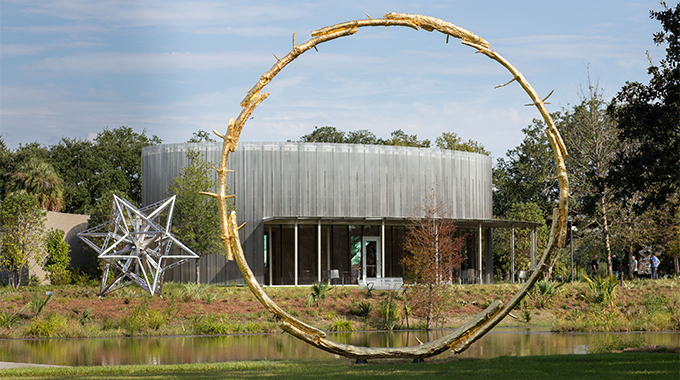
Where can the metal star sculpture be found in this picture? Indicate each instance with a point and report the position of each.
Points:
(137, 245)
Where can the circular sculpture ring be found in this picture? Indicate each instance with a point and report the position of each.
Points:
(458, 340)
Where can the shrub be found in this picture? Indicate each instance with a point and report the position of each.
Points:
(341, 324)
(389, 314)
(543, 292)
(52, 325)
(192, 291)
(83, 317)
(318, 294)
(604, 288)
(38, 302)
(211, 324)
(361, 309)
(58, 259)
(143, 318)
(8, 319)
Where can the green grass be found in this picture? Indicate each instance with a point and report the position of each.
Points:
(629, 366)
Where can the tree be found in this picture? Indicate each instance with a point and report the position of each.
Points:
(23, 221)
(432, 260)
(638, 228)
(451, 141)
(527, 173)
(648, 117)
(522, 251)
(362, 136)
(58, 260)
(39, 178)
(112, 162)
(79, 165)
(195, 220)
(5, 161)
(400, 138)
(673, 247)
(201, 136)
(327, 134)
(591, 138)
(120, 151)
(13, 161)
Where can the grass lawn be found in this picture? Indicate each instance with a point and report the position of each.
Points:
(627, 365)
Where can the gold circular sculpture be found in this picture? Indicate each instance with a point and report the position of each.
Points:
(463, 337)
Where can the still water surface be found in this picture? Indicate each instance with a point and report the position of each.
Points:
(201, 349)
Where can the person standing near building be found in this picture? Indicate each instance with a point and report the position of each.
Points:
(655, 266)
(635, 266)
(594, 266)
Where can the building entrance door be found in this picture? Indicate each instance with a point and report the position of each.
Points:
(371, 265)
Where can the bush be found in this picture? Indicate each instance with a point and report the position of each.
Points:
(58, 260)
(318, 294)
(341, 324)
(8, 319)
(389, 314)
(211, 324)
(361, 309)
(604, 288)
(193, 291)
(52, 325)
(144, 318)
(543, 292)
(38, 302)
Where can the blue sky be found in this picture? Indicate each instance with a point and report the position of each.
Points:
(69, 68)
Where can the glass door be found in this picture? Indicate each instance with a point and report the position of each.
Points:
(371, 265)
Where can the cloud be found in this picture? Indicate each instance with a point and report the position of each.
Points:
(133, 13)
(58, 29)
(19, 50)
(126, 63)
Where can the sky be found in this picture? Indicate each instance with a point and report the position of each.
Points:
(70, 68)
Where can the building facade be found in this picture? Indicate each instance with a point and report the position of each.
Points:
(335, 211)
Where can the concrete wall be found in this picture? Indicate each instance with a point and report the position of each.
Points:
(71, 224)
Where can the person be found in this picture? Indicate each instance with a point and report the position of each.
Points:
(655, 266)
(594, 265)
(635, 266)
(616, 266)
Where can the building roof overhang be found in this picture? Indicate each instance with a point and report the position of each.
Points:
(394, 221)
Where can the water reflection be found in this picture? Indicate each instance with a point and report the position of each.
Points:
(172, 350)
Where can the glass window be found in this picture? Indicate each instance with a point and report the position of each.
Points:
(308, 254)
(287, 255)
(340, 252)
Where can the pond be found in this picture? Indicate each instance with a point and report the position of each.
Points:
(202, 349)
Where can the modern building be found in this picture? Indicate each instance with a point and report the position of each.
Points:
(335, 211)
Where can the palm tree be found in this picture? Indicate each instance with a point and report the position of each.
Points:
(40, 179)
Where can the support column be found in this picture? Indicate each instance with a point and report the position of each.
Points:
(479, 253)
(512, 254)
(297, 253)
(533, 249)
(489, 256)
(269, 257)
(382, 248)
(329, 240)
(318, 251)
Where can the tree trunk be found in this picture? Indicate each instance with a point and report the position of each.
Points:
(15, 278)
(605, 231)
(676, 264)
(198, 270)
